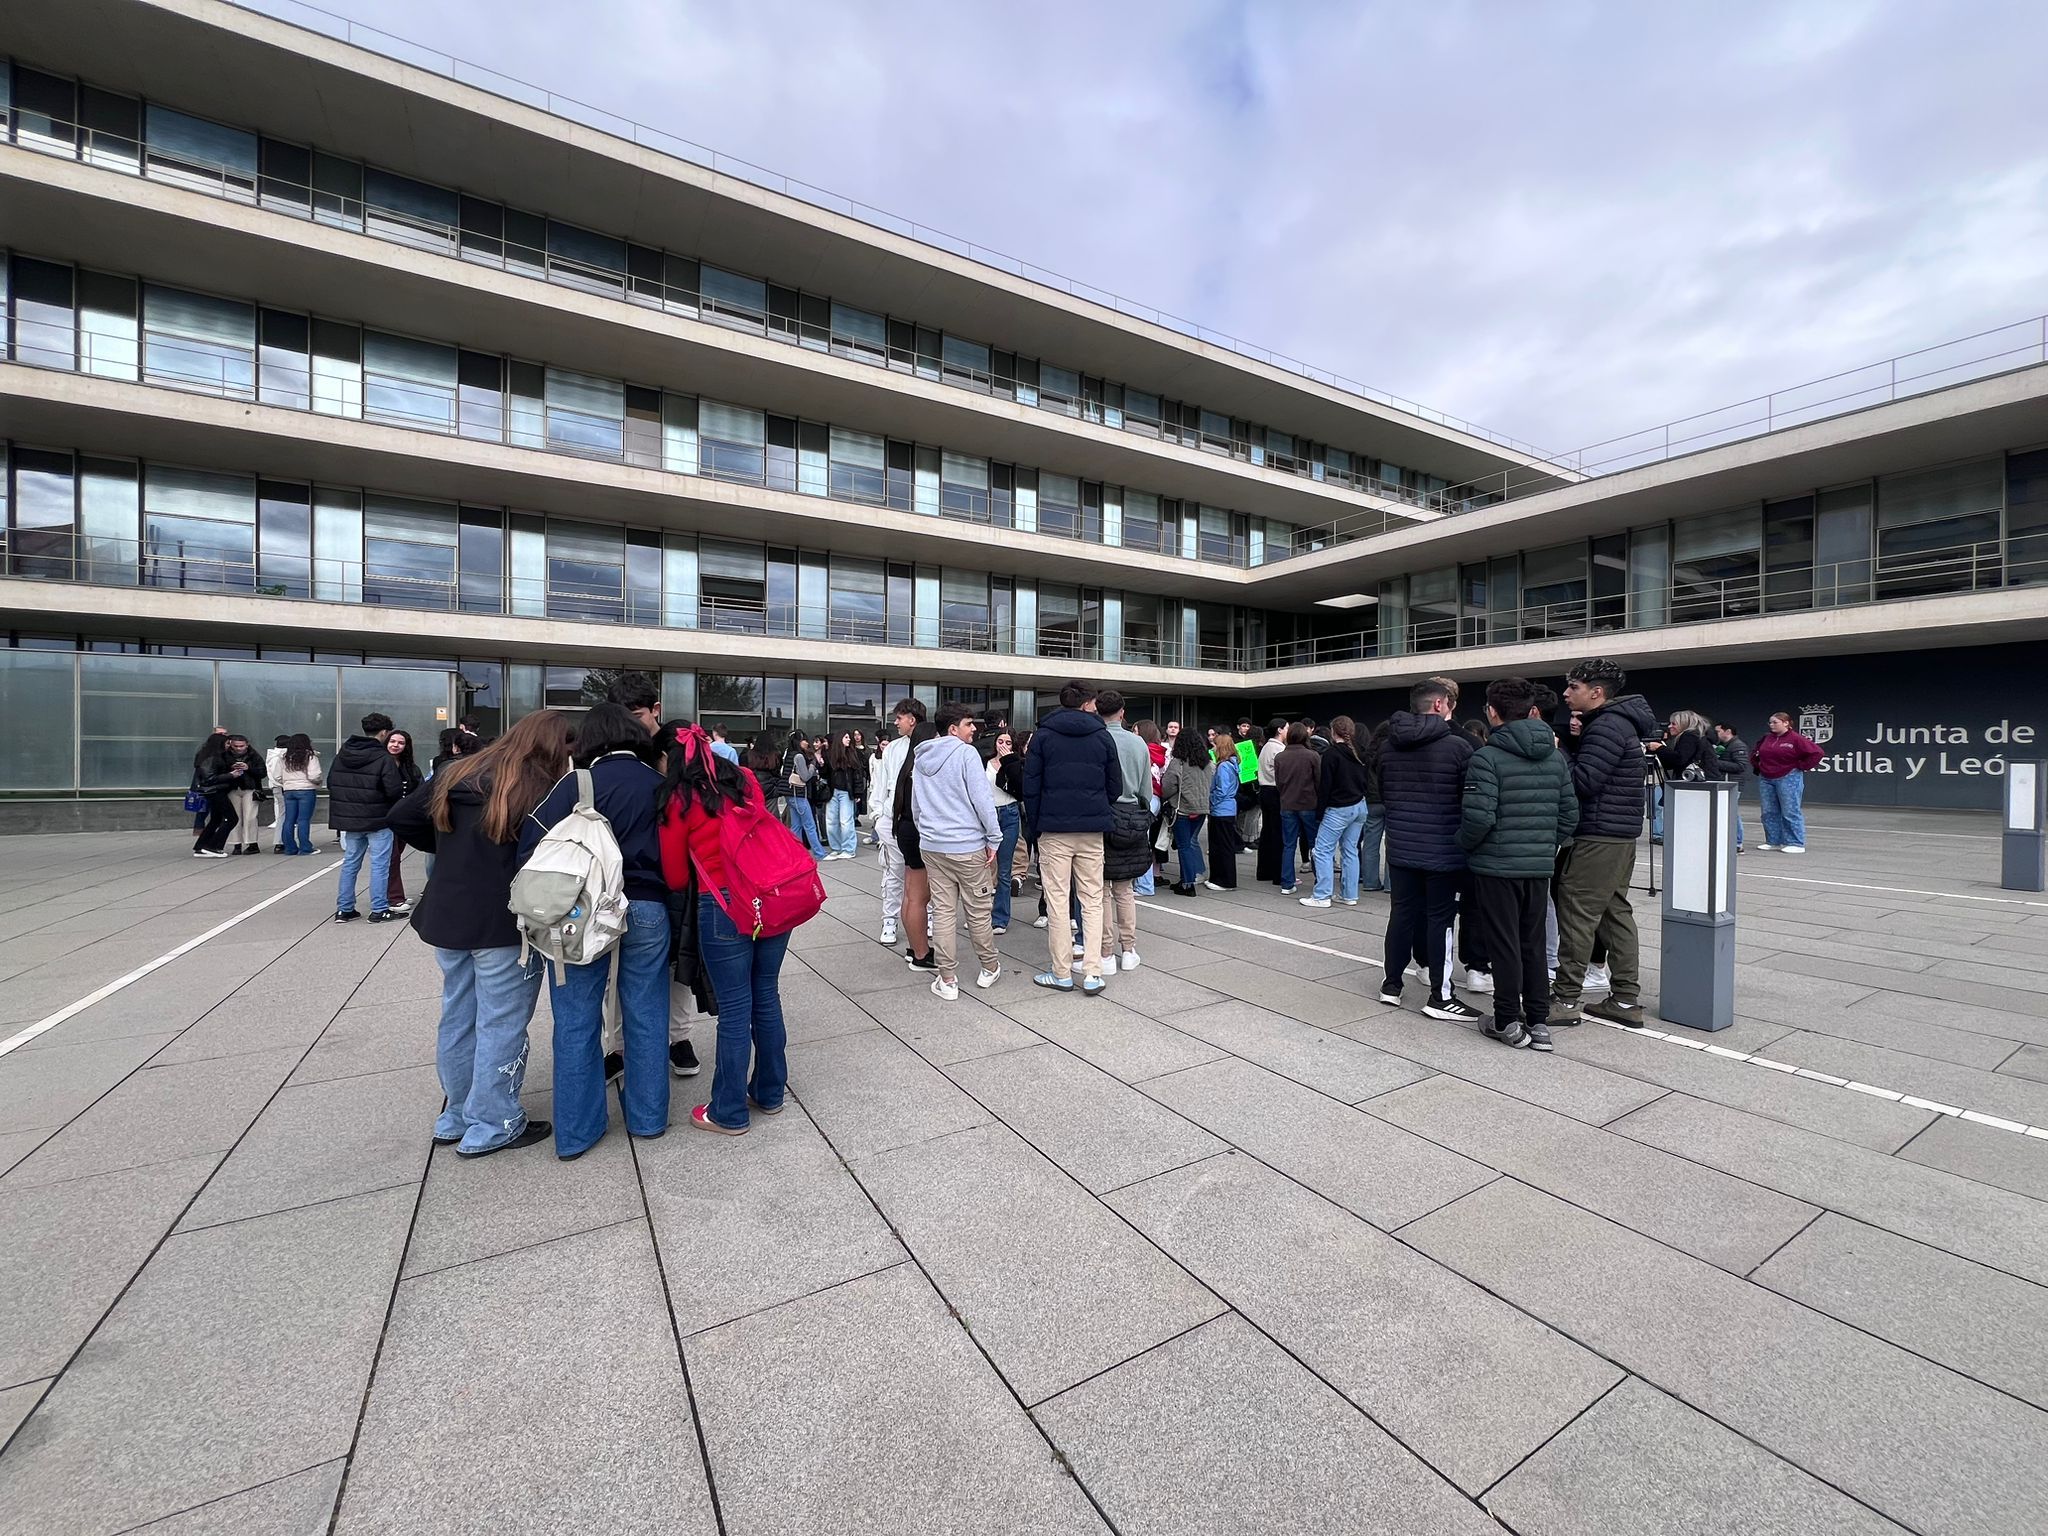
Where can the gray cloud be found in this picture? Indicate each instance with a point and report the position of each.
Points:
(1567, 221)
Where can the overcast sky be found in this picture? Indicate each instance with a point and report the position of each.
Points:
(1563, 220)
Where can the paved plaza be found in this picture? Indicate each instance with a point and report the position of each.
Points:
(1234, 1249)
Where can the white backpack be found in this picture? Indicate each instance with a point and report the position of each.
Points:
(570, 896)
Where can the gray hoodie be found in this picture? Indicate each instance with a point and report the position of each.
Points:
(951, 800)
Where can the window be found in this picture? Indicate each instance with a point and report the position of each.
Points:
(410, 212)
(44, 318)
(284, 363)
(859, 335)
(733, 442)
(1433, 609)
(643, 426)
(45, 112)
(1938, 529)
(409, 552)
(409, 383)
(963, 488)
(337, 191)
(780, 453)
(1842, 546)
(734, 583)
(1141, 522)
(112, 137)
(1216, 543)
(1788, 554)
(964, 611)
(480, 396)
(480, 548)
(337, 369)
(577, 258)
(193, 341)
(287, 177)
(585, 414)
(586, 572)
(43, 515)
(1059, 504)
(284, 539)
(1554, 591)
(966, 363)
(1609, 571)
(1715, 567)
(196, 153)
(733, 300)
(1059, 389)
(1141, 412)
(482, 231)
(2026, 518)
(109, 516)
(198, 530)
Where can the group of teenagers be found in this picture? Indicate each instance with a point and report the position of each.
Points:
(661, 789)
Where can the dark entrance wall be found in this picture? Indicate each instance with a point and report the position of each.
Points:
(1929, 728)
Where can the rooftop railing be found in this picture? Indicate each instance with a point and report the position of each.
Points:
(424, 577)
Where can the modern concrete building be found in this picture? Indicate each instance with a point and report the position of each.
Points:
(337, 381)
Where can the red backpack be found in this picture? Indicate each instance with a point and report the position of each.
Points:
(772, 882)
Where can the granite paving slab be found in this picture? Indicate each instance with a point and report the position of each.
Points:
(535, 1390)
(1920, 1444)
(17, 1403)
(1120, 1040)
(866, 1408)
(1641, 1463)
(869, 1091)
(1697, 1210)
(183, 1395)
(1983, 1154)
(1103, 1132)
(1371, 1168)
(1049, 1281)
(1219, 1430)
(43, 1090)
(1311, 1002)
(1339, 1065)
(300, 1505)
(1467, 1382)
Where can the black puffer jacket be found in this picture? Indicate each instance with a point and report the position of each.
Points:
(1607, 770)
(1519, 807)
(252, 767)
(1422, 775)
(1687, 749)
(363, 782)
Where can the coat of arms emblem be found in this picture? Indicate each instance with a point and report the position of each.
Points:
(1817, 723)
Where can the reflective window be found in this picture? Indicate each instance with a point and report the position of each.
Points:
(409, 552)
(1059, 504)
(1716, 566)
(42, 515)
(585, 414)
(857, 609)
(44, 318)
(858, 334)
(586, 571)
(410, 212)
(284, 362)
(207, 156)
(284, 544)
(198, 342)
(732, 298)
(578, 258)
(966, 363)
(198, 530)
(45, 112)
(859, 470)
(963, 488)
(409, 383)
(107, 329)
(732, 441)
(480, 396)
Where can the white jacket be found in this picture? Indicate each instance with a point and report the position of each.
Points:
(282, 778)
(882, 787)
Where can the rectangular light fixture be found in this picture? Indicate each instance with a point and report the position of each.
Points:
(1354, 600)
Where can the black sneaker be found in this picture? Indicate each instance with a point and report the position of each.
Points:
(1390, 995)
(1627, 1015)
(277, 848)
(347, 917)
(928, 961)
(1452, 1009)
(614, 1066)
(1508, 1034)
(682, 1059)
(536, 1131)
(386, 916)
(1539, 1037)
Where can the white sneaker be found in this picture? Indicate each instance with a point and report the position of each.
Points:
(1418, 971)
(1597, 980)
(988, 979)
(1040, 921)
(1315, 901)
(949, 990)
(1347, 901)
(399, 908)
(1109, 965)
(1130, 959)
(1791, 850)
(1768, 847)
(1080, 950)
(1478, 981)
(888, 933)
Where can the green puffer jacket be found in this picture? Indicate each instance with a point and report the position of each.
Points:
(1519, 806)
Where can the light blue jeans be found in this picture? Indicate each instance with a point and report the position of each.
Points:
(1144, 884)
(580, 1113)
(487, 1000)
(1337, 840)
(840, 830)
(295, 820)
(805, 825)
(353, 846)
(1369, 850)
(1784, 821)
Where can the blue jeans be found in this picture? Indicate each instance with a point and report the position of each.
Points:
(1784, 822)
(1337, 839)
(1185, 830)
(745, 973)
(841, 831)
(1738, 813)
(1369, 850)
(805, 825)
(487, 1000)
(353, 846)
(1295, 828)
(1657, 813)
(1011, 821)
(295, 820)
(581, 1115)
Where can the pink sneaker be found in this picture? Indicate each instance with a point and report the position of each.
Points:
(700, 1117)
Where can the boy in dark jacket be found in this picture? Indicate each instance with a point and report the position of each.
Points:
(1422, 773)
(1519, 809)
(1071, 779)
(1592, 891)
(363, 783)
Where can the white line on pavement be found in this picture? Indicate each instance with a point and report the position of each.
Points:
(1704, 1045)
(1896, 890)
(186, 948)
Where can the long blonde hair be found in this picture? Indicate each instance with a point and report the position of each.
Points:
(514, 774)
(1688, 720)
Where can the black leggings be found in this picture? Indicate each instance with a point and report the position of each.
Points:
(220, 821)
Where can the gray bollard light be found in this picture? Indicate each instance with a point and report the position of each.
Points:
(1699, 904)
(2024, 865)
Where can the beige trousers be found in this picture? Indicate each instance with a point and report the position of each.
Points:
(962, 882)
(1119, 916)
(244, 802)
(1070, 864)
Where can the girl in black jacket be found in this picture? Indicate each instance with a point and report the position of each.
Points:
(469, 817)
(399, 745)
(217, 777)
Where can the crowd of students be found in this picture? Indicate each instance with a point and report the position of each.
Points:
(1510, 846)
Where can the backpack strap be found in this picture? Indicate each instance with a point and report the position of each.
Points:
(586, 793)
